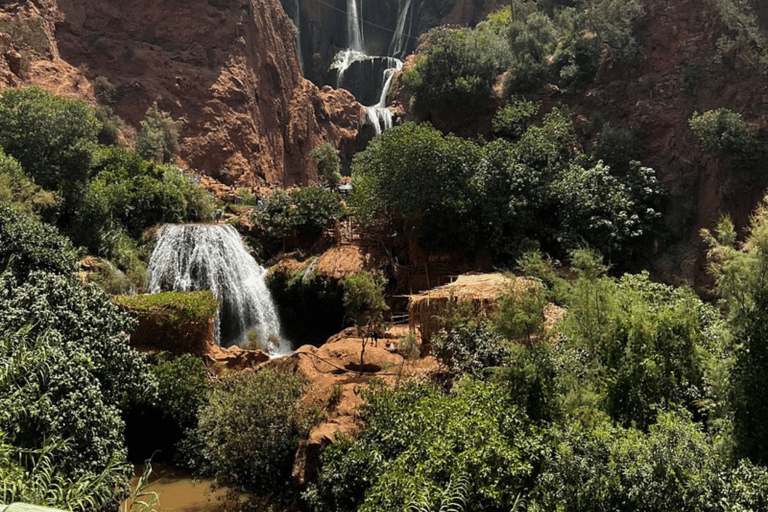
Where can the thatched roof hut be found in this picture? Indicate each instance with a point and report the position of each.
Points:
(427, 310)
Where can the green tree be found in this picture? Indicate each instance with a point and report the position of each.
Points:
(422, 450)
(158, 138)
(644, 340)
(27, 245)
(326, 157)
(250, 429)
(726, 132)
(414, 173)
(53, 138)
(21, 192)
(129, 195)
(364, 299)
(740, 272)
(457, 68)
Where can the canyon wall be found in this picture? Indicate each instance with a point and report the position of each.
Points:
(228, 70)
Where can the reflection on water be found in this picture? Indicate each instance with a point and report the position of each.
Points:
(177, 490)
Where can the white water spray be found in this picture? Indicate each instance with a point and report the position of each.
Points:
(379, 115)
(396, 45)
(354, 27)
(212, 257)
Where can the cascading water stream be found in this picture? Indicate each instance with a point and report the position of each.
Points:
(212, 257)
(377, 115)
(396, 46)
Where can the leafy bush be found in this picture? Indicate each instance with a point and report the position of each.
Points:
(67, 374)
(158, 138)
(674, 466)
(513, 119)
(644, 342)
(458, 68)
(414, 172)
(726, 132)
(130, 194)
(53, 138)
(470, 348)
(27, 245)
(364, 299)
(740, 277)
(328, 162)
(298, 217)
(422, 450)
(250, 429)
(17, 190)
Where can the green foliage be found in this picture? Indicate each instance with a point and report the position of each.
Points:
(520, 314)
(503, 196)
(328, 162)
(158, 138)
(172, 307)
(250, 429)
(30, 475)
(726, 132)
(643, 343)
(21, 192)
(27, 245)
(364, 299)
(130, 195)
(408, 346)
(613, 22)
(616, 147)
(182, 384)
(29, 33)
(674, 466)
(470, 348)
(297, 217)
(414, 172)
(740, 277)
(457, 68)
(744, 43)
(422, 450)
(691, 78)
(52, 137)
(513, 119)
(104, 90)
(67, 373)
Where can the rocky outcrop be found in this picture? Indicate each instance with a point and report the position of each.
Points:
(228, 70)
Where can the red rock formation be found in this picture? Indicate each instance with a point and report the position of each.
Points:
(227, 69)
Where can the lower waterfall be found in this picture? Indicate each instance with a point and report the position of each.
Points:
(212, 257)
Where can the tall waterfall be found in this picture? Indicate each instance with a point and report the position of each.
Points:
(377, 114)
(354, 27)
(212, 257)
(396, 46)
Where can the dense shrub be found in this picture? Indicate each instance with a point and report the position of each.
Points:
(674, 466)
(364, 299)
(726, 132)
(423, 451)
(250, 429)
(158, 138)
(131, 194)
(296, 218)
(457, 68)
(414, 172)
(470, 348)
(740, 272)
(27, 245)
(644, 343)
(19, 191)
(53, 138)
(328, 162)
(67, 374)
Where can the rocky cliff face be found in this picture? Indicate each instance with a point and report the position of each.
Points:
(227, 69)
